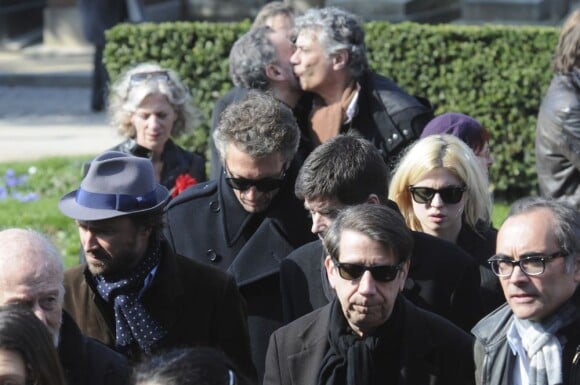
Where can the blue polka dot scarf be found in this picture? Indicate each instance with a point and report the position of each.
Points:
(132, 320)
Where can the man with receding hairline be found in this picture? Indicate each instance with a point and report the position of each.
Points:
(31, 274)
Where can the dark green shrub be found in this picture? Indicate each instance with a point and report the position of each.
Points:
(497, 74)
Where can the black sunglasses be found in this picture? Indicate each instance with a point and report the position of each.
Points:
(263, 185)
(449, 195)
(382, 273)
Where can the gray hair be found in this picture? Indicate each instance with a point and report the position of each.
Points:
(380, 223)
(259, 125)
(249, 56)
(273, 9)
(566, 223)
(125, 98)
(26, 244)
(337, 30)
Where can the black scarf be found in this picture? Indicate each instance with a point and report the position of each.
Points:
(350, 359)
(132, 321)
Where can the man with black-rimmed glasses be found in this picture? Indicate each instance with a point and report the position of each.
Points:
(535, 337)
(248, 220)
(369, 334)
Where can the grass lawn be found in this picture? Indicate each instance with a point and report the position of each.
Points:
(50, 179)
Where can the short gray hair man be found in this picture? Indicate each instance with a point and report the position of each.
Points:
(538, 264)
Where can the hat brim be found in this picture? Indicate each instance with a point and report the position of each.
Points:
(69, 207)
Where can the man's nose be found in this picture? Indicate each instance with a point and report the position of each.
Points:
(318, 224)
(39, 312)
(367, 284)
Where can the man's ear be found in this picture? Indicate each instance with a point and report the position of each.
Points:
(373, 198)
(330, 270)
(340, 60)
(273, 72)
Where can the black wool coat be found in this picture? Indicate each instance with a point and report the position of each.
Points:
(208, 224)
(434, 350)
(88, 361)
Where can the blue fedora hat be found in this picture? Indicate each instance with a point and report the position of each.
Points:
(116, 184)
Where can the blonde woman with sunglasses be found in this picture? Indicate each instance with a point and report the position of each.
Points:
(442, 190)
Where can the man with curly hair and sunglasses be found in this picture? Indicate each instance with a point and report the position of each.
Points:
(369, 334)
(248, 220)
(535, 337)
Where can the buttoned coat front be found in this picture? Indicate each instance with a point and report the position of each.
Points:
(194, 303)
(208, 224)
(434, 350)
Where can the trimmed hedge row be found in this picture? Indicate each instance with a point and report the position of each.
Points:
(497, 74)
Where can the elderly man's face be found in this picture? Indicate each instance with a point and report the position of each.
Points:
(366, 303)
(311, 64)
(35, 283)
(248, 169)
(535, 297)
(113, 246)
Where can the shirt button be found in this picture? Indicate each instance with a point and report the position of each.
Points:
(214, 206)
(211, 255)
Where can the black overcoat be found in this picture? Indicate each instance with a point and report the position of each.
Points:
(208, 224)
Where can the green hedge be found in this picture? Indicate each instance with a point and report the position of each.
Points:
(497, 74)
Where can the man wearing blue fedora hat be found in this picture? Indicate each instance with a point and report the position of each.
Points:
(133, 293)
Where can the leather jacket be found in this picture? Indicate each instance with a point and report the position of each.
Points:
(493, 357)
(558, 140)
(386, 115)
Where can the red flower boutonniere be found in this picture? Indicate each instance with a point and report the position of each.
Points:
(182, 182)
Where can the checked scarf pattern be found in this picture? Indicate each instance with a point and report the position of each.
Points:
(132, 321)
(543, 346)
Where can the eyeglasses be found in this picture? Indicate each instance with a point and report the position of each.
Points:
(449, 195)
(262, 185)
(382, 273)
(141, 77)
(530, 264)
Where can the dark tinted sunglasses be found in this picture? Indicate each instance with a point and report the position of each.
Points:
(382, 273)
(263, 185)
(449, 195)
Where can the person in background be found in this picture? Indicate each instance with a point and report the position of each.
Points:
(535, 337)
(191, 366)
(98, 16)
(467, 129)
(260, 60)
(27, 353)
(331, 61)
(134, 293)
(558, 126)
(348, 170)
(369, 334)
(442, 190)
(149, 105)
(31, 275)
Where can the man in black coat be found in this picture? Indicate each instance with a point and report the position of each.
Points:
(369, 334)
(348, 170)
(31, 274)
(331, 61)
(248, 220)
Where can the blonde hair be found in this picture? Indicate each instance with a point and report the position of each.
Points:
(453, 155)
(126, 98)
